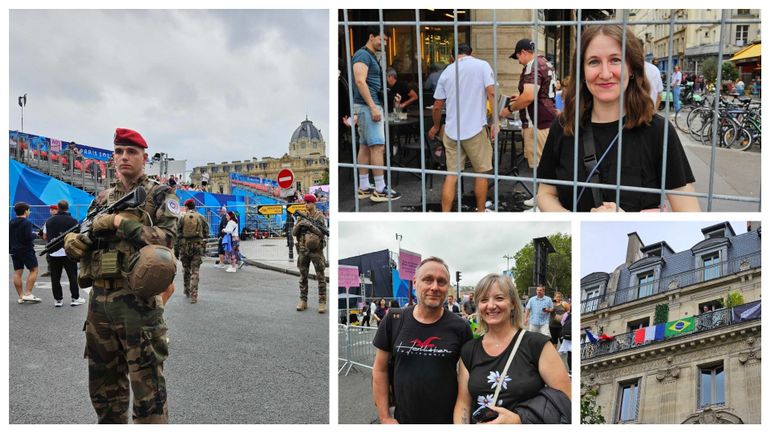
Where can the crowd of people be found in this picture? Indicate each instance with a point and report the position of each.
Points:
(463, 121)
(429, 368)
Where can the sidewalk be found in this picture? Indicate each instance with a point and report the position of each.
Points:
(736, 173)
(273, 254)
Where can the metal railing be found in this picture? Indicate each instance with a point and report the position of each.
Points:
(703, 322)
(682, 279)
(427, 168)
(355, 347)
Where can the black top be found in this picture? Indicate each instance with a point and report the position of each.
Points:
(402, 89)
(21, 235)
(642, 160)
(58, 224)
(425, 366)
(522, 380)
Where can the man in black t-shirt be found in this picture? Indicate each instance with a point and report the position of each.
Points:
(424, 342)
(400, 94)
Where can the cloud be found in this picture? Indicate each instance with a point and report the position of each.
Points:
(206, 86)
(475, 248)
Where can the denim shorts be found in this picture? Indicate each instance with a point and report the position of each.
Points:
(370, 133)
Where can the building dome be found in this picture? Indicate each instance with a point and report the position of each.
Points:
(306, 130)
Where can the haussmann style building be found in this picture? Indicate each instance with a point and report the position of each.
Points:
(664, 339)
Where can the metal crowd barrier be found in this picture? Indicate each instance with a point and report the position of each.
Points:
(355, 347)
(496, 178)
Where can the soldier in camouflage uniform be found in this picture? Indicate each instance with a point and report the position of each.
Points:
(310, 248)
(191, 245)
(125, 333)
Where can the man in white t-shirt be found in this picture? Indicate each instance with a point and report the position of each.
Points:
(676, 80)
(468, 124)
(652, 73)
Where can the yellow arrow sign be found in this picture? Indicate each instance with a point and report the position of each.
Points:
(270, 209)
(296, 207)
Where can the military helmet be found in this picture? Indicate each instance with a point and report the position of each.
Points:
(151, 270)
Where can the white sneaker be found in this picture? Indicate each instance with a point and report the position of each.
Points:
(529, 202)
(31, 298)
(230, 270)
(78, 301)
(57, 304)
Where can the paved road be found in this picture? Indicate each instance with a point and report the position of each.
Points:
(241, 355)
(736, 173)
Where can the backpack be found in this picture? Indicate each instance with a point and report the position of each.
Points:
(191, 225)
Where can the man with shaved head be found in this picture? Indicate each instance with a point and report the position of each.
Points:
(422, 343)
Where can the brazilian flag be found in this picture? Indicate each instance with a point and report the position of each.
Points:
(679, 327)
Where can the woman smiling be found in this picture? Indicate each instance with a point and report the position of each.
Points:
(604, 78)
(483, 368)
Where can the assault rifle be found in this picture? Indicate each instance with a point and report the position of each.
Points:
(317, 224)
(133, 199)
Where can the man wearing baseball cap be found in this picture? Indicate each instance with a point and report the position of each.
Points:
(524, 102)
(193, 230)
(125, 332)
(310, 248)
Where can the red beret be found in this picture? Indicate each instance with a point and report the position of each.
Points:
(189, 201)
(53, 206)
(128, 137)
(309, 198)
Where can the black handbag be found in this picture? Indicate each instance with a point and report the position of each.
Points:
(548, 406)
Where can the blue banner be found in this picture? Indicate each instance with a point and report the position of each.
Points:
(38, 143)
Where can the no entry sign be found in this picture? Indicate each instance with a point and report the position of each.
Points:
(285, 178)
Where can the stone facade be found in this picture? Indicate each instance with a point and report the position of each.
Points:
(666, 376)
(306, 158)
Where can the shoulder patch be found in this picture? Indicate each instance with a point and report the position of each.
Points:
(173, 206)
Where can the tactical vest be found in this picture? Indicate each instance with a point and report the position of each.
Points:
(110, 254)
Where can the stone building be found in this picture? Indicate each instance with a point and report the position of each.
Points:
(306, 158)
(661, 343)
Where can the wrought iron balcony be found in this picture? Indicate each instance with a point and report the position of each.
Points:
(705, 322)
(683, 279)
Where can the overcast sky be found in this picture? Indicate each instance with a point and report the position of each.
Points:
(604, 243)
(206, 86)
(474, 248)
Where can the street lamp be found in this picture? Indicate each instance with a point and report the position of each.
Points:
(22, 103)
(508, 262)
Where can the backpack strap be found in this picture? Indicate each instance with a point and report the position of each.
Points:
(590, 161)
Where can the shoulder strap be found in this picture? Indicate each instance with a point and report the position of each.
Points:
(394, 317)
(508, 364)
(590, 162)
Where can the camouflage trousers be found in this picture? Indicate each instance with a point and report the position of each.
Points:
(126, 345)
(319, 264)
(191, 256)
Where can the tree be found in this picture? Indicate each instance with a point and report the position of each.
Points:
(709, 69)
(324, 178)
(559, 270)
(590, 412)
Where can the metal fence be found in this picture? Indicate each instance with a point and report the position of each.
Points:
(427, 168)
(704, 322)
(355, 347)
(682, 279)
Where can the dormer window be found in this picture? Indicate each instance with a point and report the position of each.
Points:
(654, 253)
(716, 234)
(646, 286)
(711, 268)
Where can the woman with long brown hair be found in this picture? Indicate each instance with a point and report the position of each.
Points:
(604, 77)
